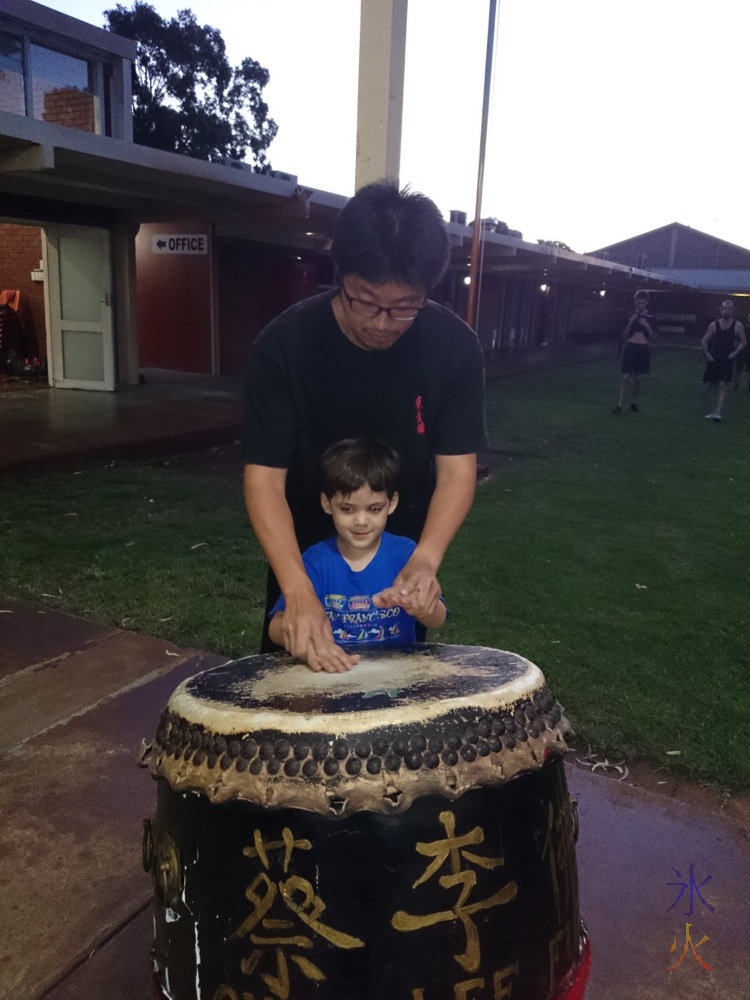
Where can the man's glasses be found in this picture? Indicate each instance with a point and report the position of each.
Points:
(369, 310)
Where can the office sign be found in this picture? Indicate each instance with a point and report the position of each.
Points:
(180, 244)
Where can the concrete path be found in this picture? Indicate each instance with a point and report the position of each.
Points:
(170, 411)
(76, 698)
(72, 799)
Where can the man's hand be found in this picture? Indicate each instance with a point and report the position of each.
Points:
(306, 634)
(415, 589)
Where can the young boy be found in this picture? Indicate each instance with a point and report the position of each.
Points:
(350, 569)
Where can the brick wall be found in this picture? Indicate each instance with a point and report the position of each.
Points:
(20, 253)
(71, 107)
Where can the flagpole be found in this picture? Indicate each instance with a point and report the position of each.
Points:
(471, 305)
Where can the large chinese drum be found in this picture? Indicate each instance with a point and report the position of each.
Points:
(399, 832)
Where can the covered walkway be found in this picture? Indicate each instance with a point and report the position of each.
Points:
(42, 427)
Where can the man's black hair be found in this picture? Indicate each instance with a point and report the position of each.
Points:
(355, 462)
(384, 234)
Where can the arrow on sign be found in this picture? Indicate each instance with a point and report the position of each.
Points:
(161, 244)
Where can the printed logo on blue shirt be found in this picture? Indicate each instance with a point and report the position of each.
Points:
(360, 603)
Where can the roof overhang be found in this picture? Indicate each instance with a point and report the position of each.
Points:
(42, 164)
(49, 172)
(502, 254)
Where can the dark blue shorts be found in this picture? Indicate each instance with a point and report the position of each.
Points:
(636, 359)
(718, 371)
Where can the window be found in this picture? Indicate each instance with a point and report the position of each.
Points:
(62, 89)
(12, 96)
(53, 86)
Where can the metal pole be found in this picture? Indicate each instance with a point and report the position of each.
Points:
(471, 305)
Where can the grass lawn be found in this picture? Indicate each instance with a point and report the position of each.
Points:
(613, 551)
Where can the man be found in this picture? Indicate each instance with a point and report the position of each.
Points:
(723, 341)
(636, 354)
(372, 357)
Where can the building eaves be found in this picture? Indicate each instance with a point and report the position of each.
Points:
(510, 255)
(28, 14)
(139, 184)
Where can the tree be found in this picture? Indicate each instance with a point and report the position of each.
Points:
(557, 244)
(186, 97)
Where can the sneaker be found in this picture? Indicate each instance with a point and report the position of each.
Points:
(617, 411)
(634, 408)
(717, 416)
(713, 416)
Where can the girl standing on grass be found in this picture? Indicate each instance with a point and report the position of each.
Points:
(636, 355)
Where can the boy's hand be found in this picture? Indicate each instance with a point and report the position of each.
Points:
(415, 589)
(307, 635)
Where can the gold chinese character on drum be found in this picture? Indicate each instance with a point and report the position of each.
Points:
(401, 831)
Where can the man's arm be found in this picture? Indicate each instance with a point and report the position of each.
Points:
(650, 323)
(416, 588)
(305, 629)
(739, 332)
(707, 340)
(629, 328)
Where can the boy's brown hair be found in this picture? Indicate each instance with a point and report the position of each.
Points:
(355, 462)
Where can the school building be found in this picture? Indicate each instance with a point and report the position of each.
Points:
(705, 269)
(116, 257)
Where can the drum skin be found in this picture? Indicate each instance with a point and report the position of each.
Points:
(469, 894)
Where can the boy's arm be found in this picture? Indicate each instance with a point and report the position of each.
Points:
(275, 628)
(436, 619)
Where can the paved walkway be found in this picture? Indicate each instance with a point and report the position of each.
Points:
(76, 698)
(42, 427)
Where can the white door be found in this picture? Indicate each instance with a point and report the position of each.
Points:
(78, 271)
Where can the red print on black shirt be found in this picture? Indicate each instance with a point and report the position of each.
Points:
(420, 418)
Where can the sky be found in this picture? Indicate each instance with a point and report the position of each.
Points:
(607, 119)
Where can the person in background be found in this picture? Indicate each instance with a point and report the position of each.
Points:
(722, 342)
(636, 354)
(373, 356)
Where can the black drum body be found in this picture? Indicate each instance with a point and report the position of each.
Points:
(470, 893)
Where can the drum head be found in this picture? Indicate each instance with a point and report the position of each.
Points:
(422, 719)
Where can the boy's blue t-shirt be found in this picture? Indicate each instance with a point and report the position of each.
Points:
(347, 595)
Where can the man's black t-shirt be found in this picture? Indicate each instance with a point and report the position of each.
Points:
(308, 386)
